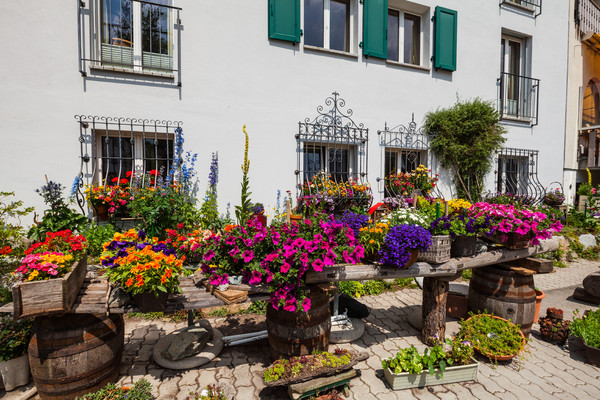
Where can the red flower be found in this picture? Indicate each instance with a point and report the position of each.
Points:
(114, 180)
(154, 172)
(124, 181)
(129, 173)
(5, 250)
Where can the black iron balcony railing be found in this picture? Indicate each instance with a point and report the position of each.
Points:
(518, 97)
(535, 6)
(136, 36)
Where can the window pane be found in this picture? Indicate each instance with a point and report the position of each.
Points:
(412, 42)
(116, 22)
(589, 115)
(338, 165)
(158, 155)
(117, 157)
(392, 36)
(313, 22)
(339, 15)
(312, 162)
(155, 28)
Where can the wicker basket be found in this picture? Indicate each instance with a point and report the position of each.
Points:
(438, 252)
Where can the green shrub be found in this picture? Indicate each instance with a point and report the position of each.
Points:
(96, 236)
(14, 337)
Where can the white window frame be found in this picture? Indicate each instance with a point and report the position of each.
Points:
(524, 63)
(423, 12)
(137, 45)
(352, 28)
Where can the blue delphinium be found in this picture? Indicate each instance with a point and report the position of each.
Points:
(400, 241)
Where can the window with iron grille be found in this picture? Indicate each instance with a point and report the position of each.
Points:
(517, 173)
(130, 35)
(116, 147)
(332, 154)
(403, 149)
(532, 6)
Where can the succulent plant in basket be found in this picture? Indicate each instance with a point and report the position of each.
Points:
(492, 336)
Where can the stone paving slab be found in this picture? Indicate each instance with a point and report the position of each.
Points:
(546, 371)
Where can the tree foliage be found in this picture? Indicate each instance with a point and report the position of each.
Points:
(463, 138)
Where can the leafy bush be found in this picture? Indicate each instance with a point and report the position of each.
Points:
(14, 337)
(96, 236)
(11, 231)
(587, 327)
(463, 138)
(141, 390)
(58, 216)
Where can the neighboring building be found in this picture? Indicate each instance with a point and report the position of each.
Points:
(583, 103)
(212, 66)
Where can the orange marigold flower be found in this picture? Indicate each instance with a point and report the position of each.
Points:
(168, 272)
(129, 282)
(163, 279)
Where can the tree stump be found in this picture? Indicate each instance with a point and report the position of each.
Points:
(435, 294)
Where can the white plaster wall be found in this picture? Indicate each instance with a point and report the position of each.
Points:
(233, 75)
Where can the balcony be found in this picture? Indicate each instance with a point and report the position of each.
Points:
(518, 98)
(130, 36)
(587, 16)
(533, 6)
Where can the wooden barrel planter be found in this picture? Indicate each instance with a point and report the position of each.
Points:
(505, 293)
(75, 354)
(300, 333)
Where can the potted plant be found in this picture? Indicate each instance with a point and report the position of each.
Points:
(553, 328)
(141, 390)
(588, 329)
(210, 392)
(408, 368)
(14, 364)
(371, 237)
(515, 227)
(149, 271)
(492, 336)
(52, 270)
(539, 296)
(258, 211)
(439, 251)
(554, 197)
(402, 244)
(107, 199)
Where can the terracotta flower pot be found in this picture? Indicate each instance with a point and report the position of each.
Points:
(102, 212)
(539, 295)
(500, 357)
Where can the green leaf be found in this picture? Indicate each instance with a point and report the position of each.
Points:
(162, 288)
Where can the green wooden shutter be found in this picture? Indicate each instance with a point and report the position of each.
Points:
(375, 14)
(445, 39)
(284, 20)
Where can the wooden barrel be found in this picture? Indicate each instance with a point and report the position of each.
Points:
(505, 293)
(75, 354)
(300, 333)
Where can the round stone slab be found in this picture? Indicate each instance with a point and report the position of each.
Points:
(345, 334)
(212, 349)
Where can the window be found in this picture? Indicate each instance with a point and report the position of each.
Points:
(404, 37)
(122, 18)
(590, 103)
(517, 173)
(330, 24)
(118, 145)
(332, 161)
(518, 91)
(534, 6)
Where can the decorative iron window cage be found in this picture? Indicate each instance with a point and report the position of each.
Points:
(518, 98)
(535, 6)
(403, 148)
(332, 156)
(517, 173)
(115, 146)
(138, 36)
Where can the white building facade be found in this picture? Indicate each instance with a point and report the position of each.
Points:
(121, 74)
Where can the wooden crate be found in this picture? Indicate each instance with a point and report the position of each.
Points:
(53, 296)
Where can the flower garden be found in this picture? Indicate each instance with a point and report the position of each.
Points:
(333, 226)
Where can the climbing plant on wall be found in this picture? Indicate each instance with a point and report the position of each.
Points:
(463, 138)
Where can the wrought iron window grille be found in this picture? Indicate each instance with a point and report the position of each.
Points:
(145, 40)
(534, 6)
(332, 155)
(110, 147)
(403, 148)
(517, 173)
(518, 98)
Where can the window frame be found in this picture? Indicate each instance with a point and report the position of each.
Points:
(403, 7)
(351, 28)
(401, 36)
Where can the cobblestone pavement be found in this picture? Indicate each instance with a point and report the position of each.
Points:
(548, 371)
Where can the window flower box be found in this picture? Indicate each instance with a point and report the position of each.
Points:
(52, 296)
(406, 380)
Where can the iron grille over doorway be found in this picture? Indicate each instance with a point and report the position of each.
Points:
(332, 154)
